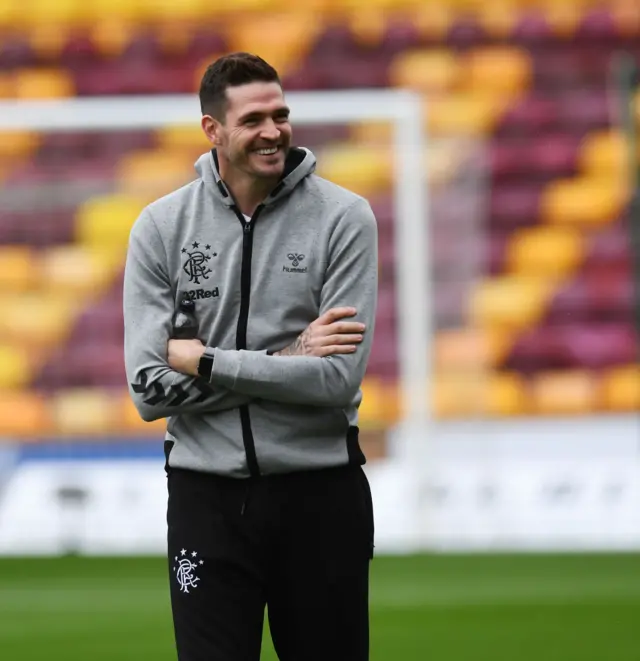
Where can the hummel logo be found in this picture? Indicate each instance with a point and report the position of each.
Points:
(295, 259)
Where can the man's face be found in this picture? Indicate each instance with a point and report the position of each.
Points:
(255, 136)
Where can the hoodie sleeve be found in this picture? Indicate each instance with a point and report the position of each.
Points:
(148, 305)
(351, 279)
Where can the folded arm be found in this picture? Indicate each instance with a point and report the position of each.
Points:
(351, 280)
(157, 390)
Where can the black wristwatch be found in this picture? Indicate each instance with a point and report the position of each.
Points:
(205, 366)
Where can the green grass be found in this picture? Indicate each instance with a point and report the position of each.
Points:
(435, 608)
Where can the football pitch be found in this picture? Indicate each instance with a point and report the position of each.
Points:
(423, 608)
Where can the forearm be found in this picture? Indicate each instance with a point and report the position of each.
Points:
(163, 393)
(288, 379)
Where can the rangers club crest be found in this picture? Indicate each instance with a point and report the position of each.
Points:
(185, 566)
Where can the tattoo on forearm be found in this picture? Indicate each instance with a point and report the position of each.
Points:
(300, 346)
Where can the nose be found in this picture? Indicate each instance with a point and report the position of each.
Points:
(270, 131)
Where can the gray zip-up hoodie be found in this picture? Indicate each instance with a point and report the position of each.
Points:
(257, 285)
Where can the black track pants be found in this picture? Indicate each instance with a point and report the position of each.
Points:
(300, 544)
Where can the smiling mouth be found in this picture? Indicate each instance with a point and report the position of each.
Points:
(267, 151)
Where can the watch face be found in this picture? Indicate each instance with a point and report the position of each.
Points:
(205, 366)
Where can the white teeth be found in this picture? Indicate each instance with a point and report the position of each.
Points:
(267, 152)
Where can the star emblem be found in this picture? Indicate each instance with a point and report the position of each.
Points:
(184, 250)
(201, 562)
(207, 247)
(195, 244)
(183, 552)
(194, 554)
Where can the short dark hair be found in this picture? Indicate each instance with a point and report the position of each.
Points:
(231, 71)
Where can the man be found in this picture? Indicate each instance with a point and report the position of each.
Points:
(268, 503)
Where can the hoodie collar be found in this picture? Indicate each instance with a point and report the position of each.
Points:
(300, 163)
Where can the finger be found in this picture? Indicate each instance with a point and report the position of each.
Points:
(344, 327)
(336, 349)
(341, 339)
(334, 314)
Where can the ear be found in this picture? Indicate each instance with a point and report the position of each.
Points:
(211, 128)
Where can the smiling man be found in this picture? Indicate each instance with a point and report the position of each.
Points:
(268, 503)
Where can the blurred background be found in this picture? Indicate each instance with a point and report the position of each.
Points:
(508, 522)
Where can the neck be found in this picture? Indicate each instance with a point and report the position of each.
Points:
(247, 192)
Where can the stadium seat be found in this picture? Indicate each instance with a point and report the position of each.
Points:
(584, 202)
(605, 153)
(176, 138)
(426, 71)
(510, 302)
(373, 411)
(551, 251)
(478, 394)
(514, 205)
(569, 392)
(15, 367)
(621, 389)
(105, 222)
(23, 414)
(83, 411)
(79, 270)
(470, 348)
(43, 84)
(364, 170)
(610, 247)
(19, 269)
(599, 294)
(16, 145)
(502, 71)
(153, 173)
(463, 114)
(35, 319)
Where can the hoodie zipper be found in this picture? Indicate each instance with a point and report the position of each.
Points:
(241, 330)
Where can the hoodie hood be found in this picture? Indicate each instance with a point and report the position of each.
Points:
(300, 163)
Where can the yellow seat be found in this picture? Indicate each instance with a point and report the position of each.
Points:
(621, 389)
(550, 251)
(282, 38)
(128, 419)
(23, 414)
(506, 395)
(463, 114)
(15, 367)
(362, 169)
(426, 71)
(177, 139)
(626, 14)
(17, 144)
(154, 173)
(497, 70)
(473, 393)
(80, 270)
(367, 25)
(57, 13)
(43, 84)
(374, 411)
(19, 269)
(606, 154)
(83, 411)
(570, 392)
(471, 348)
(433, 20)
(499, 18)
(509, 302)
(36, 319)
(563, 17)
(584, 202)
(105, 222)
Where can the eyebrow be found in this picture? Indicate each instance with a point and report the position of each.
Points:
(255, 114)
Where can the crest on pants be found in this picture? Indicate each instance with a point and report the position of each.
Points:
(185, 566)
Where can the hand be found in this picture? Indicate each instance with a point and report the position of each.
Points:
(184, 355)
(327, 336)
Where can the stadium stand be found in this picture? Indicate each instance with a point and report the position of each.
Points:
(546, 329)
